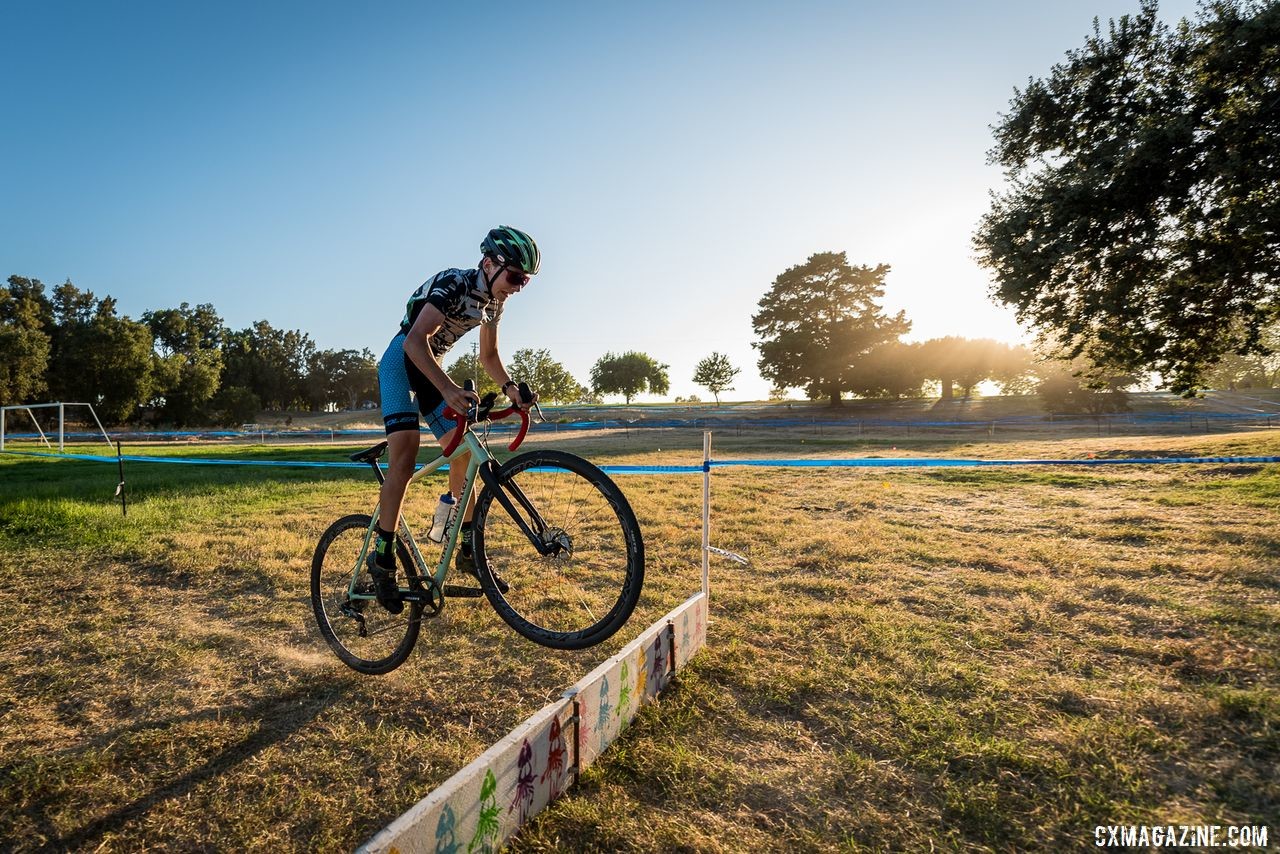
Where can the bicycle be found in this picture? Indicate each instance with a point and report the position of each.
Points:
(549, 524)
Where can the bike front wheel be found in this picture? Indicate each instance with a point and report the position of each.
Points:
(366, 636)
(586, 584)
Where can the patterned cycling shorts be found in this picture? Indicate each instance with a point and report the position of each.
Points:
(399, 389)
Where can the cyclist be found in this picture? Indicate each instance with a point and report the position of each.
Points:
(446, 307)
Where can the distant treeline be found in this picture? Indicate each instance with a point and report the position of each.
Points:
(184, 367)
(181, 366)
(820, 329)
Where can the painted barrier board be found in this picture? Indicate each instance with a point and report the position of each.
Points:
(689, 627)
(484, 804)
(609, 696)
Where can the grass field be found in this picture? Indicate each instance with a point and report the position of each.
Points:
(958, 659)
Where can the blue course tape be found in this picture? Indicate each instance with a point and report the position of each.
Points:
(204, 461)
(929, 462)
(865, 462)
(724, 421)
(194, 461)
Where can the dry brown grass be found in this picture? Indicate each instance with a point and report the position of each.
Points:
(968, 659)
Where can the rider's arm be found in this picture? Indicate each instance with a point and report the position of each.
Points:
(489, 358)
(418, 349)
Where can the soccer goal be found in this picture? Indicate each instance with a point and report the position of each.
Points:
(6, 419)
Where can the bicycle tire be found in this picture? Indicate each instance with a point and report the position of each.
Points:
(596, 576)
(335, 557)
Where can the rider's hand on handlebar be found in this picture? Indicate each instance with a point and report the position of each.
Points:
(513, 392)
(460, 400)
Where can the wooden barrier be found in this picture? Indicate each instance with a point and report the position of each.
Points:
(486, 802)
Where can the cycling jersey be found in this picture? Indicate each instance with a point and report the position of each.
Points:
(463, 299)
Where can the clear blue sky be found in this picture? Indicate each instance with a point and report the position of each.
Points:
(310, 164)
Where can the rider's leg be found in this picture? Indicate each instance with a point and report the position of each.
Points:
(402, 450)
(400, 417)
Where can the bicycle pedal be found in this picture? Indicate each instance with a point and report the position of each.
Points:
(463, 592)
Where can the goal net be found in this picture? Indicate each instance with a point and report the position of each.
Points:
(49, 420)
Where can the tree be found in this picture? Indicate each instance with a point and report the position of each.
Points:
(1254, 370)
(545, 375)
(818, 319)
(1014, 369)
(468, 367)
(715, 372)
(1078, 386)
(628, 374)
(1141, 224)
(341, 378)
(966, 362)
(97, 356)
(890, 370)
(188, 361)
(235, 405)
(24, 344)
(270, 362)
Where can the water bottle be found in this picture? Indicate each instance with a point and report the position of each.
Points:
(440, 522)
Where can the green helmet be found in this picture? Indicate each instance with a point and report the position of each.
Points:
(513, 248)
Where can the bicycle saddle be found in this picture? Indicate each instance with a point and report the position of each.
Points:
(370, 454)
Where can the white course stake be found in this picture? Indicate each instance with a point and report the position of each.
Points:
(707, 548)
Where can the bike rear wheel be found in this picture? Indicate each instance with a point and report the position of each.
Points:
(586, 589)
(366, 636)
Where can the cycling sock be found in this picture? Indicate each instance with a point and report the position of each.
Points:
(385, 549)
(466, 539)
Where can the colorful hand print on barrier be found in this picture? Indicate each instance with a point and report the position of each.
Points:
(602, 720)
(524, 782)
(659, 662)
(585, 729)
(642, 675)
(487, 824)
(684, 632)
(445, 843)
(624, 693)
(555, 758)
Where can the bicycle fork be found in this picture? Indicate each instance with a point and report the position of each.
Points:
(534, 529)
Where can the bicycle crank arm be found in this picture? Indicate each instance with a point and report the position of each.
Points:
(489, 474)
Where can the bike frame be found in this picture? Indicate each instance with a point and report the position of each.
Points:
(479, 456)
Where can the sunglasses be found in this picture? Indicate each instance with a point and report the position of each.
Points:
(517, 277)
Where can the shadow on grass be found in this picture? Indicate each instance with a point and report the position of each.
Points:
(279, 718)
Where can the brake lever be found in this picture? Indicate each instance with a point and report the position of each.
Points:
(527, 394)
(485, 406)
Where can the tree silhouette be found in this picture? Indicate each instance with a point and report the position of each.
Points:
(818, 319)
(1141, 224)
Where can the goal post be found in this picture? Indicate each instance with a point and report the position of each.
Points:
(61, 406)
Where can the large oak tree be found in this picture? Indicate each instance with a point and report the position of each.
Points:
(818, 320)
(1140, 226)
